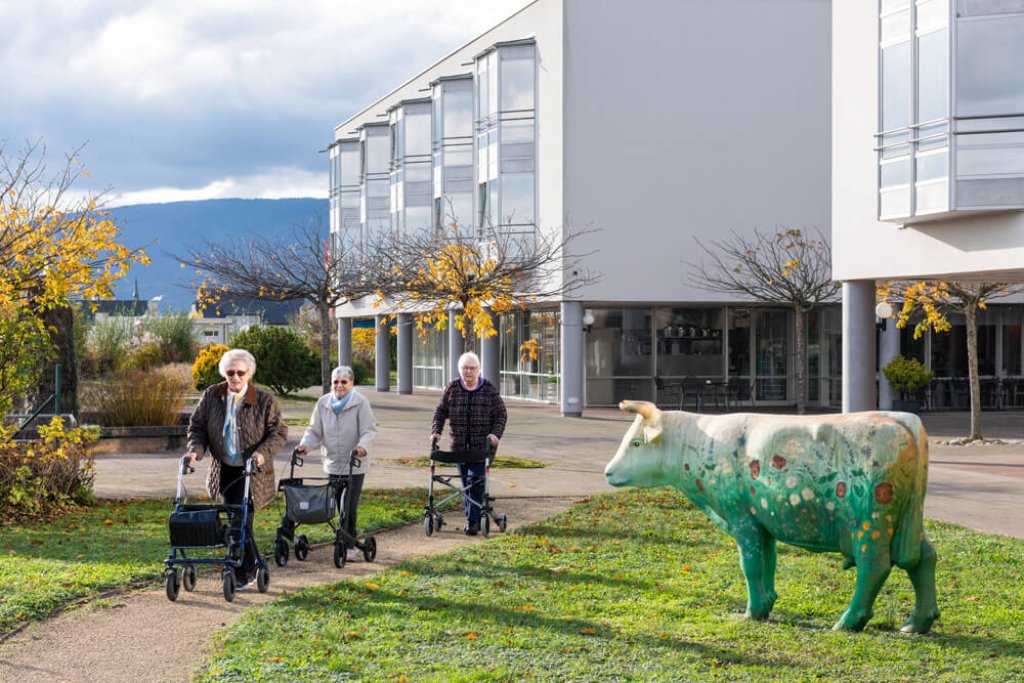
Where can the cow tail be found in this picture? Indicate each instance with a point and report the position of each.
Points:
(907, 544)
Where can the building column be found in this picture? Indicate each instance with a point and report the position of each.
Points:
(888, 348)
(383, 352)
(345, 341)
(490, 354)
(859, 346)
(456, 345)
(404, 353)
(572, 358)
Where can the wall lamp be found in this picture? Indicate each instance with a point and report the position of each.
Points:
(883, 311)
(588, 320)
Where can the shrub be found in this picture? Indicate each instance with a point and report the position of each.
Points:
(106, 344)
(907, 376)
(42, 476)
(205, 370)
(283, 362)
(363, 371)
(174, 335)
(144, 357)
(133, 398)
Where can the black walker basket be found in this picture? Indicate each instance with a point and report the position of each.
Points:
(317, 503)
(432, 518)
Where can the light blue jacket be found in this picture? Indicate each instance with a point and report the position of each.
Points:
(337, 435)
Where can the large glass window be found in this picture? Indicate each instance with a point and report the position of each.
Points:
(990, 65)
(772, 352)
(619, 360)
(525, 376)
(689, 342)
(453, 152)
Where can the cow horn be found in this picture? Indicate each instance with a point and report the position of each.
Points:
(645, 409)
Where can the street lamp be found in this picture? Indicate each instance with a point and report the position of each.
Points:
(883, 311)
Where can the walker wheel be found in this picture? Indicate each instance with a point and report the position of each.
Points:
(485, 525)
(301, 548)
(428, 524)
(502, 522)
(228, 580)
(280, 552)
(262, 579)
(340, 555)
(370, 548)
(188, 578)
(172, 584)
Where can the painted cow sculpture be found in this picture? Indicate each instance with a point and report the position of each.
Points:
(853, 483)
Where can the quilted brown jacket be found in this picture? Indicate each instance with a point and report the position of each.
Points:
(260, 428)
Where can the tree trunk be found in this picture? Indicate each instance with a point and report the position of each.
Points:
(971, 316)
(800, 367)
(61, 322)
(324, 312)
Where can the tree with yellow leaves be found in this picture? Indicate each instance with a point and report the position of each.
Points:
(54, 248)
(934, 301)
(789, 268)
(477, 273)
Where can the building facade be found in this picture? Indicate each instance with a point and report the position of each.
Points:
(660, 125)
(928, 176)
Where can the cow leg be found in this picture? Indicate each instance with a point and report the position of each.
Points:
(757, 558)
(926, 607)
(873, 567)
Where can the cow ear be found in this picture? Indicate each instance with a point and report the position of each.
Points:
(652, 431)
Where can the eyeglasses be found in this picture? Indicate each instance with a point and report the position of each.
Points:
(341, 381)
(235, 373)
(474, 368)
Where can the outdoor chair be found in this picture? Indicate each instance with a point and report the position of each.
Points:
(692, 390)
(737, 392)
(665, 390)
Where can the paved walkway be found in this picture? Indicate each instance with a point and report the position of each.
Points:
(979, 486)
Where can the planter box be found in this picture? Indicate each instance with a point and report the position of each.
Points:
(913, 406)
(140, 439)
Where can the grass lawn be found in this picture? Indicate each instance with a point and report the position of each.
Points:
(117, 543)
(633, 586)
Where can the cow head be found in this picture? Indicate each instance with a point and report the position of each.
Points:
(639, 461)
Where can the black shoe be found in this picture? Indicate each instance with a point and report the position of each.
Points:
(472, 528)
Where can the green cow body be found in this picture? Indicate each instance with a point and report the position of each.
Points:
(853, 483)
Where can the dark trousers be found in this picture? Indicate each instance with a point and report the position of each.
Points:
(232, 490)
(348, 507)
(473, 478)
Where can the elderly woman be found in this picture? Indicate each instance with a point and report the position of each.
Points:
(235, 421)
(342, 422)
(476, 419)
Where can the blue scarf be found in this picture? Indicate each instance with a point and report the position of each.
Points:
(338, 403)
(231, 424)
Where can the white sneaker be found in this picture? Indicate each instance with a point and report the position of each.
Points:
(352, 555)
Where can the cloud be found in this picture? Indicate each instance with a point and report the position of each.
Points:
(279, 183)
(213, 96)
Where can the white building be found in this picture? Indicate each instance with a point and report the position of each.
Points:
(663, 123)
(928, 171)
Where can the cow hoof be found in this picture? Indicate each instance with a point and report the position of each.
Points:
(918, 625)
(757, 616)
(851, 622)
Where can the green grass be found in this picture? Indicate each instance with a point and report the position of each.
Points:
(45, 566)
(501, 463)
(633, 586)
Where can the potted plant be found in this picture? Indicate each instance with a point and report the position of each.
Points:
(907, 377)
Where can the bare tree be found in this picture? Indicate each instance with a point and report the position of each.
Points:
(471, 270)
(325, 270)
(787, 268)
(938, 300)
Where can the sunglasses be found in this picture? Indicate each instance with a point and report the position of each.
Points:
(235, 373)
(341, 381)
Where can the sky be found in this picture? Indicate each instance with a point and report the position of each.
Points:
(180, 100)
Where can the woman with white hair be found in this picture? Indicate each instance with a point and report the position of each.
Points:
(236, 421)
(342, 422)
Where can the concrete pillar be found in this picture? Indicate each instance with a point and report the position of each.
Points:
(383, 353)
(888, 348)
(859, 346)
(404, 353)
(456, 345)
(490, 354)
(572, 358)
(345, 341)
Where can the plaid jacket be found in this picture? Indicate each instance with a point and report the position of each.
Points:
(471, 415)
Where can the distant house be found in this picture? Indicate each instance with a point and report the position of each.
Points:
(130, 312)
(215, 323)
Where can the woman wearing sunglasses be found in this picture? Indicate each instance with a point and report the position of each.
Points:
(236, 421)
(342, 422)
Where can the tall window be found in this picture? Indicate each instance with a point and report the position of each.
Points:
(410, 165)
(924, 124)
(452, 147)
(375, 201)
(506, 139)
